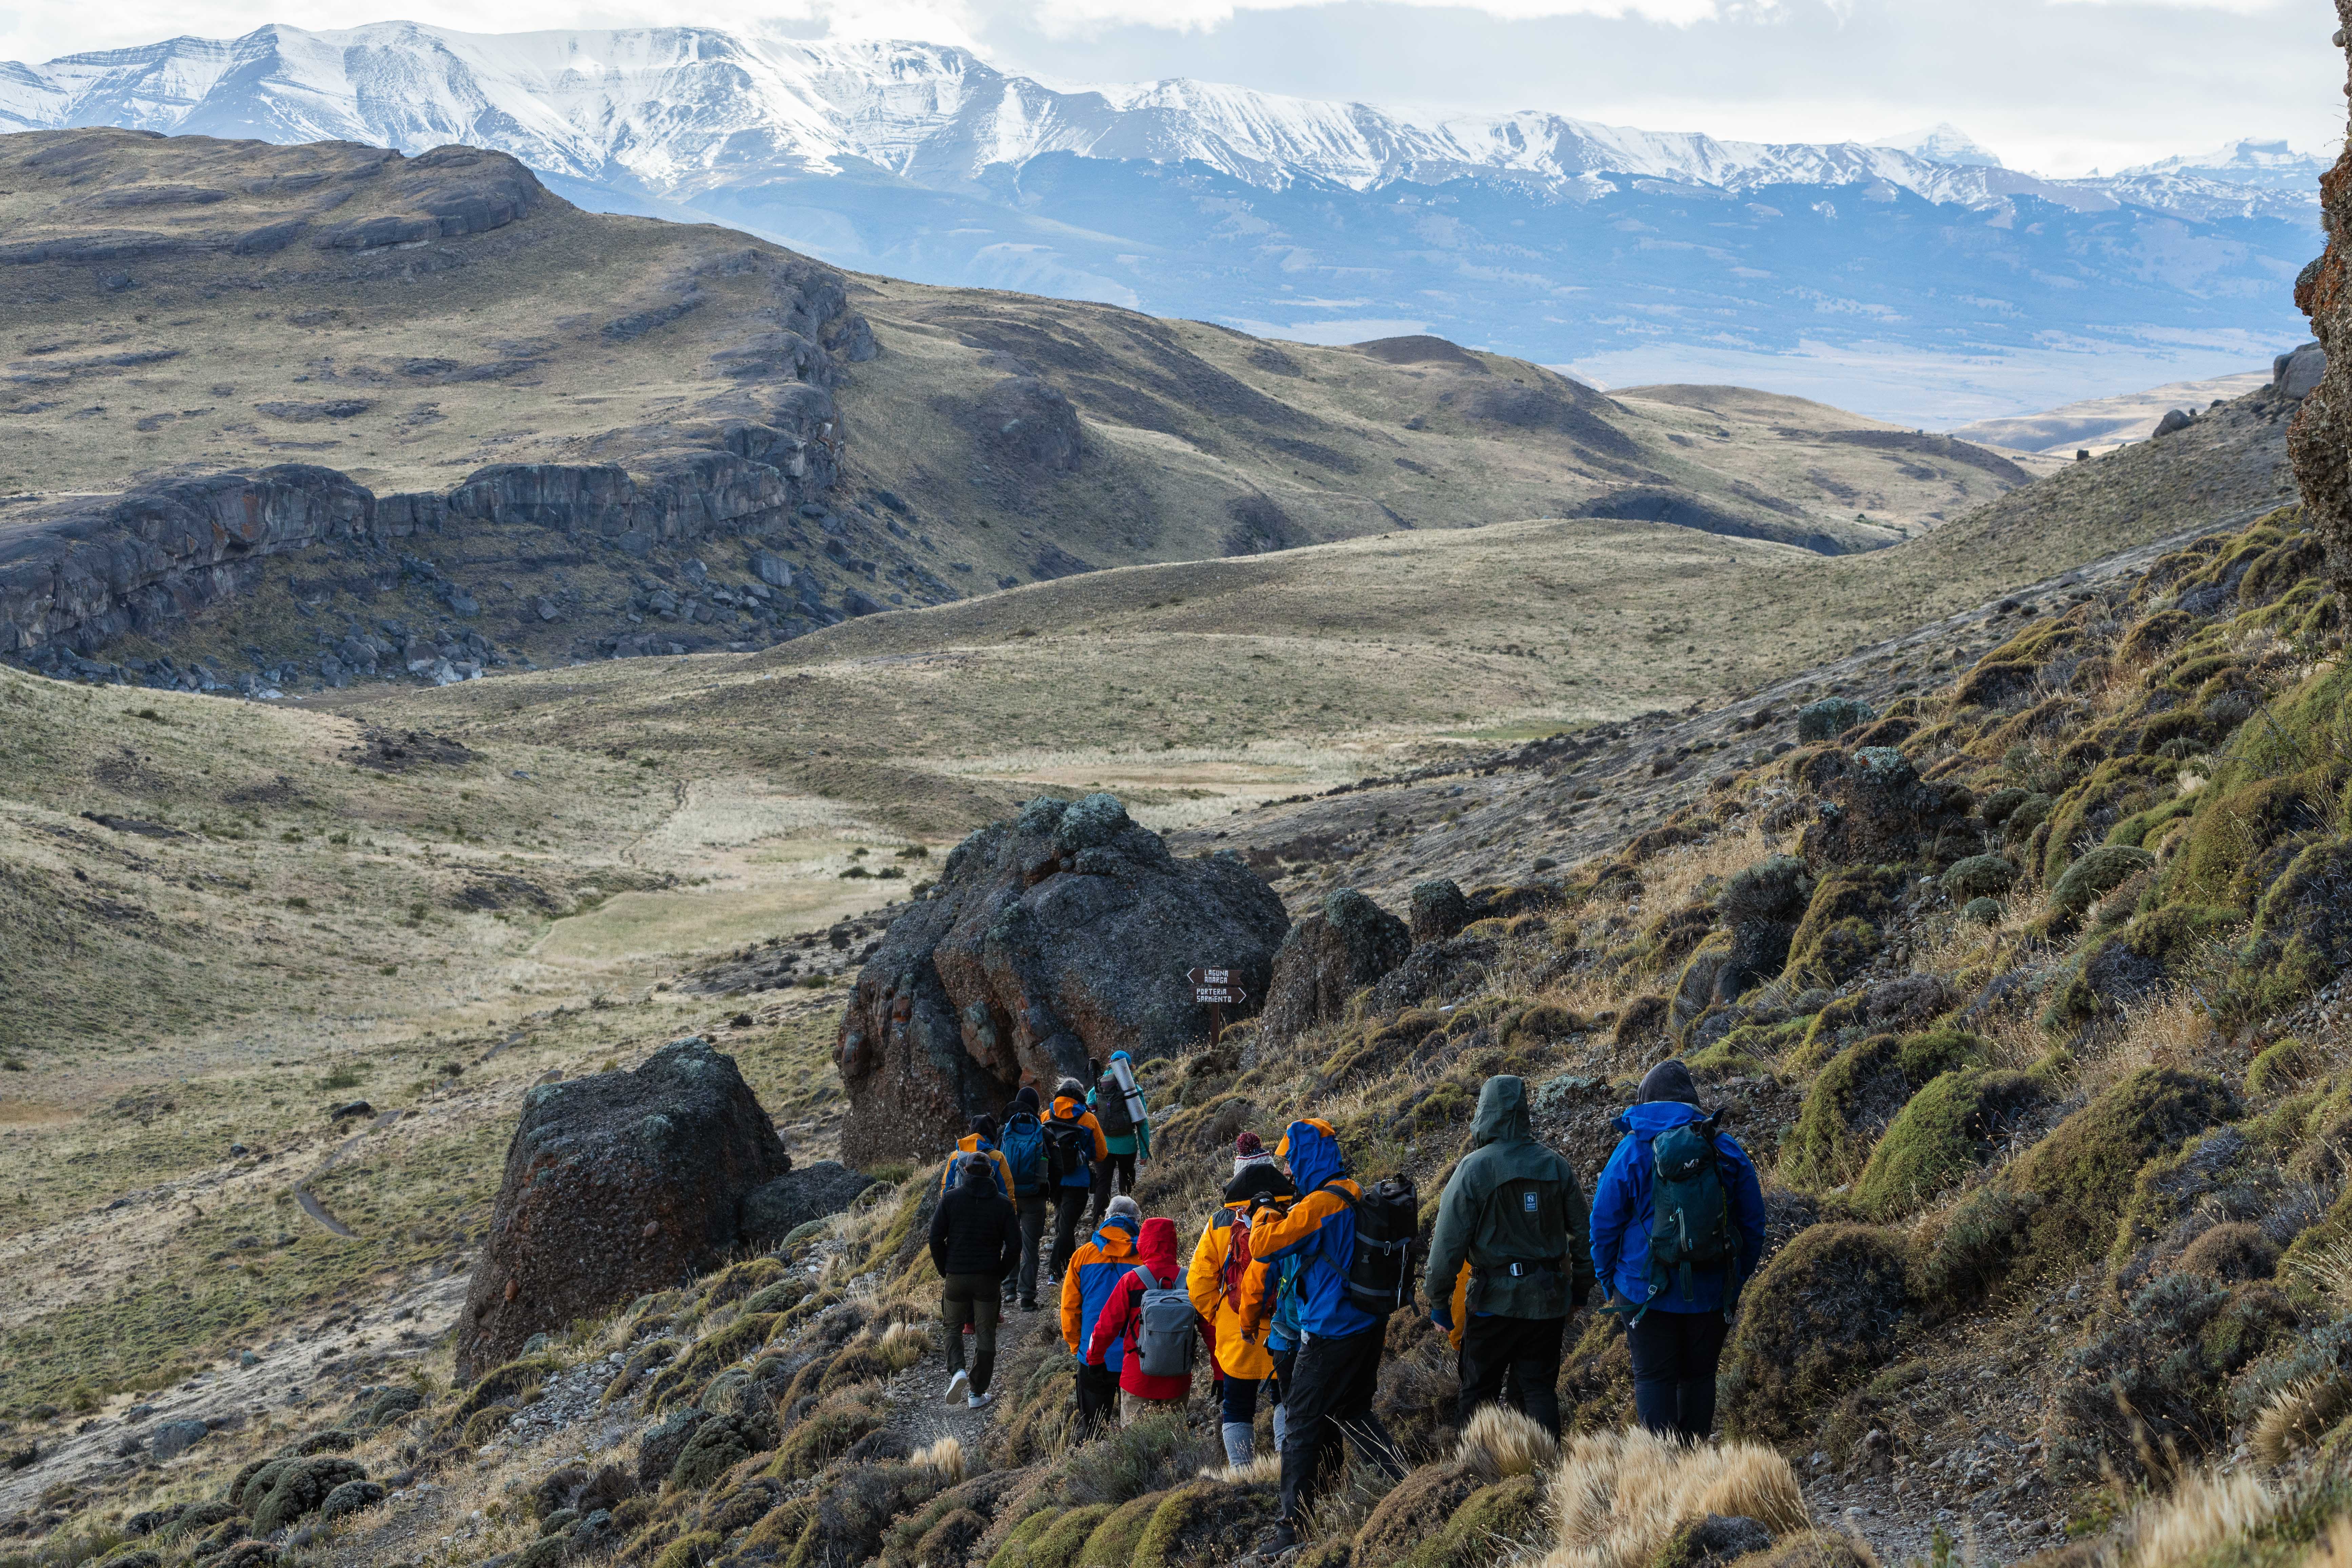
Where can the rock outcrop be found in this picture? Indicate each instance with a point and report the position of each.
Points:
(2319, 442)
(1062, 936)
(615, 1185)
(1327, 957)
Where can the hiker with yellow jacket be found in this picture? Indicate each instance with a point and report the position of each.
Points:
(1221, 1263)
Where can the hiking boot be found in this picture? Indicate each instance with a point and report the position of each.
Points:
(959, 1384)
(1285, 1538)
(1028, 1306)
(978, 1400)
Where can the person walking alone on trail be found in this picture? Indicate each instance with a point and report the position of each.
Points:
(1075, 1140)
(980, 1140)
(1149, 1316)
(1087, 1284)
(1509, 1261)
(1127, 1137)
(1677, 1226)
(1031, 1163)
(1337, 1369)
(974, 1239)
(1239, 1360)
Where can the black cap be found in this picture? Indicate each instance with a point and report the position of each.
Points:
(1669, 1080)
(985, 1125)
(1026, 1100)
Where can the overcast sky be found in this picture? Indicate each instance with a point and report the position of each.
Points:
(2056, 85)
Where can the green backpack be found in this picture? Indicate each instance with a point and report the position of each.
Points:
(1690, 1212)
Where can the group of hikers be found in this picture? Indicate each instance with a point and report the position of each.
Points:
(1299, 1269)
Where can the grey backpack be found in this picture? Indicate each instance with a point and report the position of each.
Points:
(1164, 1340)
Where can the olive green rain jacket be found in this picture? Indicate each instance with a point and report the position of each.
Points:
(1513, 1215)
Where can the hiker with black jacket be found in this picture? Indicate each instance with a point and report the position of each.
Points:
(1677, 1226)
(975, 1238)
(1509, 1261)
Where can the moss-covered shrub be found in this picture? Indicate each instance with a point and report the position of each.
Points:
(1111, 1544)
(823, 1437)
(2156, 1376)
(1205, 1520)
(501, 1385)
(1858, 1094)
(1947, 1130)
(301, 1488)
(1979, 876)
(1839, 934)
(2096, 872)
(712, 1352)
(1828, 1309)
(1414, 1510)
(717, 1446)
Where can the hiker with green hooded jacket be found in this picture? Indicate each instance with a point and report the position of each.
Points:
(1677, 1227)
(1507, 1264)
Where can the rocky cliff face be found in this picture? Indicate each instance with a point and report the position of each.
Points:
(1062, 936)
(2320, 441)
(315, 234)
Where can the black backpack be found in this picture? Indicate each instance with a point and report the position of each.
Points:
(1380, 1269)
(1069, 1147)
(1111, 1108)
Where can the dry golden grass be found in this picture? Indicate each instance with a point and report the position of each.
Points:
(903, 1345)
(2205, 1512)
(944, 1455)
(2335, 1548)
(2299, 1415)
(1500, 1442)
(2170, 1026)
(1619, 1496)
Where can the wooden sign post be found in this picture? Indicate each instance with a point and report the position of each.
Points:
(1215, 989)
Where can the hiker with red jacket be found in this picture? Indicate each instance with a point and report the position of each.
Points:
(1677, 1226)
(1336, 1371)
(1149, 1317)
(1238, 1358)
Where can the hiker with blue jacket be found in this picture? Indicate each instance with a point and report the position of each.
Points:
(1337, 1369)
(1677, 1227)
(1508, 1262)
(1022, 1142)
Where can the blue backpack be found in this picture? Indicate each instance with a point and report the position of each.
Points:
(1023, 1145)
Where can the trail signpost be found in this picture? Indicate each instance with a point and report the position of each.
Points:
(1216, 990)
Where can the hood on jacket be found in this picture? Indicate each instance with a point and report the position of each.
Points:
(1658, 1116)
(976, 1173)
(1068, 1108)
(1116, 1236)
(1502, 1113)
(1669, 1080)
(1313, 1150)
(1025, 1099)
(1156, 1248)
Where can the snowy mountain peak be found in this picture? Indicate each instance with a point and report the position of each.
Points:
(1943, 144)
(2268, 164)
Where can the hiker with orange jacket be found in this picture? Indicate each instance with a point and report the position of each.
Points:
(1336, 1371)
(1087, 1284)
(1221, 1262)
(1075, 1139)
(1155, 1369)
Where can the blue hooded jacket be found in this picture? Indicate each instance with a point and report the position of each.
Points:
(1318, 1229)
(1620, 1211)
(1099, 1271)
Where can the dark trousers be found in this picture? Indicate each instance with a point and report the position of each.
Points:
(1513, 1362)
(1118, 1169)
(1098, 1394)
(1674, 1372)
(970, 1298)
(1022, 1283)
(1237, 1400)
(1070, 1207)
(1330, 1397)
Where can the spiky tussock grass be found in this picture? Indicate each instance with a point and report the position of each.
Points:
(903, 1345)
(2328, 1271)
(2300, 1415)
(1500, 1443)
(2335, 1548)
(945, 1456)
(2201, 1515)
(1265, 1469)
(1619, 1496)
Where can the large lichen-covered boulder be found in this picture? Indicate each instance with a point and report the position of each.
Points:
(616, 1185)
(1327, 958)
(792, 1200)
(1062, 936)
(2320, 441)
(1877, 810)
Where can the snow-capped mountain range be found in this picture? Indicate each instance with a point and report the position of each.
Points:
(1535, 232)
(675, 108)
